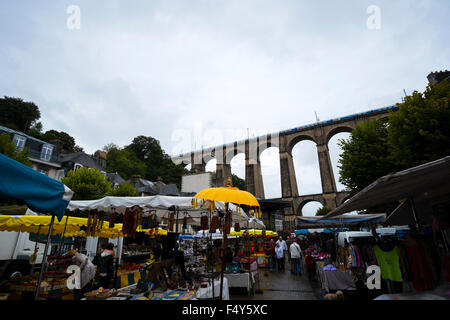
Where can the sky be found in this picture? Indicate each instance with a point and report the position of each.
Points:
(200, 73)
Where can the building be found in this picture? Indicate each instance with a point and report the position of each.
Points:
(115, 179)
(43, 155)
(77, 160)
(149, 188)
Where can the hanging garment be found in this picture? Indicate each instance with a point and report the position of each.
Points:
(184, 223)
(145, 222)
(204, 223)
(112, 220)
(237, 227)
(215, 224)
(389, 263)
(153, 220)
(420, 272)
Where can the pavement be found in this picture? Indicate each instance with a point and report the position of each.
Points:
(281, 285)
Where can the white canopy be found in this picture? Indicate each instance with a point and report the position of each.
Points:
(160, 204)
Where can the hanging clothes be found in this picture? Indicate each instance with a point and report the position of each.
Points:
(112, 220)
(389, 263)
(421, 274)
(204, 223)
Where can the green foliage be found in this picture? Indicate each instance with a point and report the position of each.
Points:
(67, 142)
(366, 155)
(125, 189)
(124, 162)
(87, 184)
(143, 157)
(18, 114)
(419, 131)
(8, 148)
(323, 211)
(238, 182)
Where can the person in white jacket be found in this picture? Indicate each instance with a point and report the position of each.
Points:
(279, 253)
(296, 257)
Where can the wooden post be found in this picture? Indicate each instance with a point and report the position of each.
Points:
(224, 246)
(44, 258)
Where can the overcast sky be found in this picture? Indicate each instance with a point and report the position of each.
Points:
(175, 69)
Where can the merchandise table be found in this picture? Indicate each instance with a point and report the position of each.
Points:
(335, 280)
(206, 293)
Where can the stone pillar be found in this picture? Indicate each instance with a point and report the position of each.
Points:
(326, 170)
(197, 162)
(288, 180)
(289, 189)
(223, 172)
(253, 178)
(253, 174)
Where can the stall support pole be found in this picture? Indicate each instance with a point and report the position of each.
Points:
(224, 247)
(44, 258)
(414, 213)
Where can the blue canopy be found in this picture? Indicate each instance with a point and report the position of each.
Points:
(340, 221)
(41, 193)
(185, 236)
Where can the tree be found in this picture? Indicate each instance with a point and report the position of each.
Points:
(323, 211)
(238, 182)
(87, 184)
(67, 142)
(18, 114)
(8, 148)
(125, 189)
(419, 131)
(124, 162)
(366, 156)
(158, 163)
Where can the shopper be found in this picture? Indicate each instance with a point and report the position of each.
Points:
(272, 257)
(105, 266)
(280, 257)
(87, 273)
(283, 246)
(310, 264)
(296, 255)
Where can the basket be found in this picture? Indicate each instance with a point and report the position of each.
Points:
(95, 295)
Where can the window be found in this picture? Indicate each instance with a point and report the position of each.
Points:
(19, 142)
(46, 152)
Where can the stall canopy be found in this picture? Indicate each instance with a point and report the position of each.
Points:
(41, 193)
(340, 221)
(426, 184)
(159, 203)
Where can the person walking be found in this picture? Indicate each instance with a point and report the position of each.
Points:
(284, 247)
(87, 273)
(290, 239)
(296, 258)
(280, 256)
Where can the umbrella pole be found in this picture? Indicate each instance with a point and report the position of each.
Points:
(44, 258)
(224, 246)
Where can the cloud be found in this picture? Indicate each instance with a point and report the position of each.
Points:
(155, 67)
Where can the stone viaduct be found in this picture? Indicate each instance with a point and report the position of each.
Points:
(319, 132)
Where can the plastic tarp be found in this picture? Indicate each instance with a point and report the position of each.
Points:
(41, 193)
(40, 224)
(340, 221)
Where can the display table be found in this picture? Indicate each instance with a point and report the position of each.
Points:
(335, 280)
(207, 293)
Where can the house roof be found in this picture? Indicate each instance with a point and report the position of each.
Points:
(81, 158)
(6, 129)
(170, 190)
(115, 178)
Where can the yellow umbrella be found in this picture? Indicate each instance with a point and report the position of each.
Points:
(227, 195)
